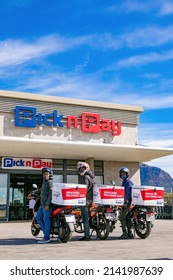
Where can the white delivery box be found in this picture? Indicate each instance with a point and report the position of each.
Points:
(108, 195)
(147, 195)
(69, 194)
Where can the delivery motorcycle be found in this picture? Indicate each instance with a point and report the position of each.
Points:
(141, 218)
(98, 221)
(62, 221)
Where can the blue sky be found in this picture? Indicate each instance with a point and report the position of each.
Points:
(116, 51)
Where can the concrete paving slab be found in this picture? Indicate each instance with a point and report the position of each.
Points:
(17, 243)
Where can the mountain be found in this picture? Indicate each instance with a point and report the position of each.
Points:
(154, 176)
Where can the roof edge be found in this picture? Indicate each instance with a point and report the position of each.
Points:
(72, 101)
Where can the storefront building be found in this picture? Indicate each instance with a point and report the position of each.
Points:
(38, 131)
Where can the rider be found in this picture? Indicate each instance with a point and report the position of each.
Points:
(44, 213)
(124, 217)
(87, 179)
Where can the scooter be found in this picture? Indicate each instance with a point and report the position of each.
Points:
(62, 222)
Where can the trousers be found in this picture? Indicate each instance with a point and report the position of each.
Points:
(85, 218)
(43, 218)
(125, 218)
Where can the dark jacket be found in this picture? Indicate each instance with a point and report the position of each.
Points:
(88, 179)
(46, 194)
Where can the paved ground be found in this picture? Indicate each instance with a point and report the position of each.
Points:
(17, 243)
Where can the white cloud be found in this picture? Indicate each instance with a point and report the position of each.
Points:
(140, 60)
(13, 52)
(153, 101)
(166, 8)
(165, 163)
(159, 7)
(130, 6)
(68, 84)
(92, 87)
(80, 67)
(158, 135)
(148, 36)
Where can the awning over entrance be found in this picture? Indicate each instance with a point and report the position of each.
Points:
(43, 148)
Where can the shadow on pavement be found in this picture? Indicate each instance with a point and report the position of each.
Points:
(160, 259)
(17, 241)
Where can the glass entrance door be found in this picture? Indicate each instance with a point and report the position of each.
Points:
(3, 196)
(20, 187)
(17, 203)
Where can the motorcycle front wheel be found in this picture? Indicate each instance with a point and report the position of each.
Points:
(143, 229)
(34, 230)
(79, 226)
(103, 228)
(67, 234)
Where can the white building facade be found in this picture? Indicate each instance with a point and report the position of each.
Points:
(38, 131)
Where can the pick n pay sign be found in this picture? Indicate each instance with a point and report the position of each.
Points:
(25, 163)
(89, 122)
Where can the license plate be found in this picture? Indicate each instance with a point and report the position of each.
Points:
(150, 217)
(70, 218)
(110, 216)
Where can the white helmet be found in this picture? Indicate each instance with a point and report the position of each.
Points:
(34, 186)
(81, 164)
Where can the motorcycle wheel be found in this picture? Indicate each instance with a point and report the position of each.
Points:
(79, 227)
(67, 234)
(103, 229)
(35, 231)
(143, 229)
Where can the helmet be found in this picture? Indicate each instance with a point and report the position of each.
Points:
(124, 170)
(47, 169)
(81, 164)
(34, 186)
(45, 177)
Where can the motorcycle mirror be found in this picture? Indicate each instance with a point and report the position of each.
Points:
(34, 186)
(112, 182)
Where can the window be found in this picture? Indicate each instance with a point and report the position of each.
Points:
(58, 178)
(3, 189)
(3, 195)
(57, 164)
(72, 165)
(99, 179)
(98, 170)
(65, 171)
(72, 179)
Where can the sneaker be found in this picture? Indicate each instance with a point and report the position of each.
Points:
(124, 236)
(43, 241)
(84, 238)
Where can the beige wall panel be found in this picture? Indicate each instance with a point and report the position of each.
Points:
(111, 172)
(128, 135)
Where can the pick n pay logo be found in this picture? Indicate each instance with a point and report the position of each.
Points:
(28, 117)
(89, 122)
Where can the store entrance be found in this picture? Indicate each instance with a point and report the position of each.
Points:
(20, 187)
